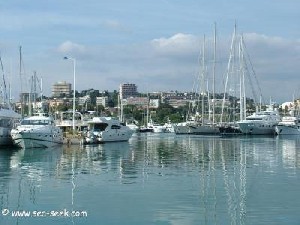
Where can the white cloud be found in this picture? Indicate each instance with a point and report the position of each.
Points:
(177, 44)
(70, 47)
(170, 63)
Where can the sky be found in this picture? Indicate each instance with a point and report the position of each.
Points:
(154, 44)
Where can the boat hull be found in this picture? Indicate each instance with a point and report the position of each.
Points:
(106, 129)
(257, 128)
(106, 136)
(5, 137)
(196, 129)
(159, 129)
(8, 118)
(36, 139)
(287, 130)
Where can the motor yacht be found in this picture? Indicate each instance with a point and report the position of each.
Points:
(38, 131)
(263, 122)
(289, 125)
(8, 118)
(106, 129)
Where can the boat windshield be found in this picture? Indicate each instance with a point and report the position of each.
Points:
(100, 126)
(254, 118)
(36, 122)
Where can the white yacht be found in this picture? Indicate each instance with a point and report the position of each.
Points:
(7, 119)
(157, 128)
(263, 122)
(196, 126)
(169, 127)
(106, 129)
(37, 131)
(192, 128)
(289, 125)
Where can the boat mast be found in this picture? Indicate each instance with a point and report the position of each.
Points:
(229, 69)
(214, 73)
(241, 75)
(203, 81)
(148, 102)
(3, 89)
(29, 97)
(121, 112)
(242, 81)
(20, 73)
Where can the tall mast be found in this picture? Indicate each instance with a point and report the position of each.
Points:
(20, 73)
(203, 81)
(230, 67)
(214, 73)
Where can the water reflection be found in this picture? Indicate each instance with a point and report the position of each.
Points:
(173, 179)
(290, 151)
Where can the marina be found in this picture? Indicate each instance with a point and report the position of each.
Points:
(154, 178)
(149, 113)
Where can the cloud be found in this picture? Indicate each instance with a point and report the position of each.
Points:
(178, 44)
(273, 54)
(171, 63)
(70, 47)
(276, 62)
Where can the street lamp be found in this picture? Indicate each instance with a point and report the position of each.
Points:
(74, 73)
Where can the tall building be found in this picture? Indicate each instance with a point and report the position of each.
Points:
(128, 90)
(61, 88)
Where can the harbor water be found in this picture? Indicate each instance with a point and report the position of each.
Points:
(154, 179)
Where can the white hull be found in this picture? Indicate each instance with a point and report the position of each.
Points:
(260, 123)
(290, 125)
(37, 132)
(33, 141)
(170, 129)
(106, 129)
(257, 128)
(159, 129)
(287, 130)
(37, 138)
(196, 129)
(117, 136)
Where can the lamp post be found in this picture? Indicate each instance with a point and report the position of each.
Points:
(74, 73)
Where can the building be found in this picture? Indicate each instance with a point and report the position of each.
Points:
(61, 88)
(128, 90)
(84, 100)
(102, 101)
(153, 103)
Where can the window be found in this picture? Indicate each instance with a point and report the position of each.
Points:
(100, 126)
(115, 127)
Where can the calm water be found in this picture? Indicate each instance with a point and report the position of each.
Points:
(154, 179)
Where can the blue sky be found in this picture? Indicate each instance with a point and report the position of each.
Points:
(154, 44)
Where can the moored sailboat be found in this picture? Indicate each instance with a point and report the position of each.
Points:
(8, 117)
(196, 123)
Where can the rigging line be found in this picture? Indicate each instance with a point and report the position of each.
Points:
(252, 67)
(195, 87)
(4, 83)
(228, 72)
